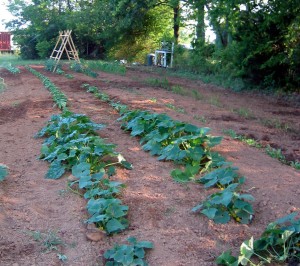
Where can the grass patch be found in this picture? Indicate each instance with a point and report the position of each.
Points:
(179, 90)
(244, 112)
(156, 82)
(275, 123)
(197, 95)
(177, 109)
(200, 118)
(249, 141)
(15, 60)
(215, 101)
(272, 152)
(153, 100)
(104, 66)
(2, 85)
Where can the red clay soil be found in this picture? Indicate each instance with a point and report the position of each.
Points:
(159, 208)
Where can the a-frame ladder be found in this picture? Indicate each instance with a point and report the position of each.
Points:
(64, 43)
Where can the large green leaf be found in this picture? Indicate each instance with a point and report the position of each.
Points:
(227, 259)
(81, 170)
(56, 170)
(3, 172)
(246, 252)
(210, 213)
(221, 217)
(113, 225)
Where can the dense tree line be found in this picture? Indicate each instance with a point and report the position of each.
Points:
(257, 41)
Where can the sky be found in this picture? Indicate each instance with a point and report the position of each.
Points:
(5, 16)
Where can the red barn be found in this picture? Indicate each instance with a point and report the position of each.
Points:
(5, 41)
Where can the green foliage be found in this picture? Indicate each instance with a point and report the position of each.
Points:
(92, 89)
(50, 241)
(3, 172)
(73, 144)
(69, 76)
(81, 68)
(249, 141)
(177, 109)
(173, 140)
(44, 48)
(77, 67)
(108, 214)
(2, 85)
(128, 255)
(244, 112)
(161, 83)
(59, 97)
(275, 123)
(275, 153)
(221, 205)
(272, 152)
(221, 177)
(11, 69)
(296, 165)
(110, 67)
(179, 90)
(280, 242)
(190, 147)
(59, 71)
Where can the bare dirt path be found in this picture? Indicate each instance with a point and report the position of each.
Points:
(159, 208)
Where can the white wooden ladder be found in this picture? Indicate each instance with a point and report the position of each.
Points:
(64, 43)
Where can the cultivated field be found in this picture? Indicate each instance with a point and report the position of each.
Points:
(42, 221)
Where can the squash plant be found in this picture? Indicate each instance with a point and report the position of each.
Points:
(128, 255)
(280, 242)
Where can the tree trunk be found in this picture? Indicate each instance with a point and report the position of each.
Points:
(200, 27)
(176, 21)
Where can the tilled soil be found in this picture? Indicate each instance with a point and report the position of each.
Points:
(159, 208)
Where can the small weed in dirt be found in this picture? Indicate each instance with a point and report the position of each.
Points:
(59, 71)
(249, 141)
(215, 101)
(49, 240)
(2, 85)
(275, 123)
(63, 192)
(197, 95)
(177, 109)
(170, 211)
(200, 118)
(15, 104)
(179, 90)
(153, 100)
(62, 257)
(69, 76)
(161, 83)
(244, 112)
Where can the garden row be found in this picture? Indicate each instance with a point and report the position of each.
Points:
(174, 140)
(190, 147)
(72, 144)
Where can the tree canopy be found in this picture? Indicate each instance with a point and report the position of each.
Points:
(256, 40)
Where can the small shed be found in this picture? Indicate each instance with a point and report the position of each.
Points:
(164, 56)
(5, 43)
